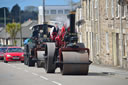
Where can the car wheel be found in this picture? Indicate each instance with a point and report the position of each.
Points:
(22, 61)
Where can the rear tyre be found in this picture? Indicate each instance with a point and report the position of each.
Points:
(31, 62)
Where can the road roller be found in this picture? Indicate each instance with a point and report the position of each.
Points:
(35, 46)
(66, 53)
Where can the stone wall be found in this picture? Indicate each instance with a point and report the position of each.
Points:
(101, 32)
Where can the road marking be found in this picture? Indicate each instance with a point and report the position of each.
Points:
(26, 70)
(35, 74)
(56, 83)
(43, 77)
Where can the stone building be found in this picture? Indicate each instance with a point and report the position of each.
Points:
(104, 30)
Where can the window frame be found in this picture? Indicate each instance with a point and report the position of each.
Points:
(52, 11)
(62, 12)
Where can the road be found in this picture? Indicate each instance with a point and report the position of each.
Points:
(16, 73)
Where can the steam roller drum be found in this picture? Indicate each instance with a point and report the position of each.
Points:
(75, 63)
(49, 62)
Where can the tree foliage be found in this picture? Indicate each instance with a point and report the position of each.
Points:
(8, 18)
(18, 15)
(12, 29)
(15, 13)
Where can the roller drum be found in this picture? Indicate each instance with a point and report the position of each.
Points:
(75, 63)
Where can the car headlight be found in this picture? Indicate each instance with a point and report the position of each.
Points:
(8, 55)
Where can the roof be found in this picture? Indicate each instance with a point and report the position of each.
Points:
(27, 23)
(26, 32)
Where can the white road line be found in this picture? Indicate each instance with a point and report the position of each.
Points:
(26, 70)
(43, 77)
(56, 83)
(35, 74)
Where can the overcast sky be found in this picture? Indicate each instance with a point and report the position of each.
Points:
(23, 3)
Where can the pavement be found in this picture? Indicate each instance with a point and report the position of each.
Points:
(109, 70)
(16, 73)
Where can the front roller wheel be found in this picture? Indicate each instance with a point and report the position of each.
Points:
(75, 63)
(49, 61)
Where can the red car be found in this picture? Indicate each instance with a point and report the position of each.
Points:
(2, 51)
(14, 54)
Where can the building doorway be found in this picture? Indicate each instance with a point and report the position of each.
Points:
(115, 42)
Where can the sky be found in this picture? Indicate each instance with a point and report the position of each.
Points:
(23, 3)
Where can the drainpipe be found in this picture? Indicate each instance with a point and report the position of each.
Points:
(121, 34)
(98, 26)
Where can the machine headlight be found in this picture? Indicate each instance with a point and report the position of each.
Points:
(8, 55)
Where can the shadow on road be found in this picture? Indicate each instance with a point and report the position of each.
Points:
(100, 74)
(13, 62)
(93, 74)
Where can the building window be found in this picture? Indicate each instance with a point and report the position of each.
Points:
(86, 9)
(124, 44)
(96, 10)
(112, 8)
(107, 42)
(124, 11)
(46, 11)
(127, 8)
(92, 10)
(60, 11)
(117, 9)
(107, 8)
(123, 14)
(53, 11)
(89, 10)
(67, 11)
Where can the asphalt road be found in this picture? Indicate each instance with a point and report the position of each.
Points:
(16, 73)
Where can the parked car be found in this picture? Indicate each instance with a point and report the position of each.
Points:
(2, 51)
(14, 54)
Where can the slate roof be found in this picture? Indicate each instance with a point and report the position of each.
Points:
(26, 32)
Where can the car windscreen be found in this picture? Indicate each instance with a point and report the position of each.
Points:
(3, 49)
(15, 50)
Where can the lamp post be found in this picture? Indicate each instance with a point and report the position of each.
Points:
(71, 3)
(20, 28)
(5, 26)
(43, 11)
